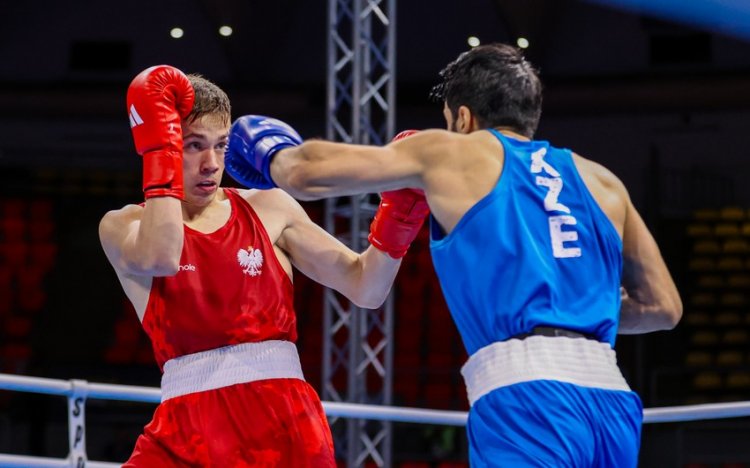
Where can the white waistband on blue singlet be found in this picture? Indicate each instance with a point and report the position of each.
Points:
(230, 365)
(578, 361)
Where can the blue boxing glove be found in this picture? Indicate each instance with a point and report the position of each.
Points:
(253, 142)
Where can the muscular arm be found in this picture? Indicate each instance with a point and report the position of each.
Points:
(321, 169)
(651, 301)
(365, 278)
(144, 241)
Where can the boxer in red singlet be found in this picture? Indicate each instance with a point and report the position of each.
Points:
(209, 272)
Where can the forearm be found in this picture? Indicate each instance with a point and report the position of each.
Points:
(650, 300)
(296, 170)
(159, 99)
(321, 169)
(374, 278)
(157, 247)
(638, 317)
(396, 224)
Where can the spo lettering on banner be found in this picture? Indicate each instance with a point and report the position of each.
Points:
(76, 423)
(554, 185)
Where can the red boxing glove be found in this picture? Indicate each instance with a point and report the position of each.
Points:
(159, 98)
(404, 134)
(399, 217)
(398, 221)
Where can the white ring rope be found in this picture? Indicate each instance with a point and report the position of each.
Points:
(74, 388)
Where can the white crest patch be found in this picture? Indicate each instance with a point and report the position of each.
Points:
(251, 260)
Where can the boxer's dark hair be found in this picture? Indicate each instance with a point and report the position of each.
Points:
(209, 100)
(497, 84)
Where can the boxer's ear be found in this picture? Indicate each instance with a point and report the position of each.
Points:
(465, 122)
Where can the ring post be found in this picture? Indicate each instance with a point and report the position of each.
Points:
(77, 423)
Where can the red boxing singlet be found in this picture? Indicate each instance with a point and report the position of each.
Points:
(230, 289)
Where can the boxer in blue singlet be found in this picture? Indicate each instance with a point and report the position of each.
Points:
(541, 255)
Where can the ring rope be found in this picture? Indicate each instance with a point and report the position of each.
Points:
(77, 391)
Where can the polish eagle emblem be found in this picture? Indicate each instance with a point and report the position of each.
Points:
(251, 260)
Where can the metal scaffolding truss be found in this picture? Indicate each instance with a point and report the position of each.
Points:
(358, 343)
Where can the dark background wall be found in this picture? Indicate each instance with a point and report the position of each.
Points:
(665, 106)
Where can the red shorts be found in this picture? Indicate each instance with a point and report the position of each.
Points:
(266, 423)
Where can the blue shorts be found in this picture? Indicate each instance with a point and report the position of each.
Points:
(546, 423)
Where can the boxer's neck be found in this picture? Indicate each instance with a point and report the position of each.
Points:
(210, 217)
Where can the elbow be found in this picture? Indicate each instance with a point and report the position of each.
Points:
(666, 316)
(673, 313)
(370, 299)
(166, 269)
(369, 302)
(156, 266)
(165, 265)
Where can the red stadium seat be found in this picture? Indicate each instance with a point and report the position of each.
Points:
(440, 357)
(406, 361)
(40, 230)
(12, 229)
(13, 208)
(17, 327)
(41, 210)
(119, 355)
(405, 391)
(32, 295)
(15, 351)
(30, 277)
(144, 355)
(439, 395)
(32, 300)
(126, 334)
(13, 254)
(6, 300)
(43, 255)
(6, 275)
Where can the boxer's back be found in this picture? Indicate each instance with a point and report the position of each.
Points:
(537, 250)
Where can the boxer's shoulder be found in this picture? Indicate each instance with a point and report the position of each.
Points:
(273, 205)
(271, 198)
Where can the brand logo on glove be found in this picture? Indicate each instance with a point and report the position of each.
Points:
(251, 260)
(135, 119)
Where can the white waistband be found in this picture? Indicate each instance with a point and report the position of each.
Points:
(230, 365)
(578, 361)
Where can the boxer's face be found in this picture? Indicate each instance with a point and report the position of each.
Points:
(204, 143)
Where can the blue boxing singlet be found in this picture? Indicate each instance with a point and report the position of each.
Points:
(539, 251)
(536, 251)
